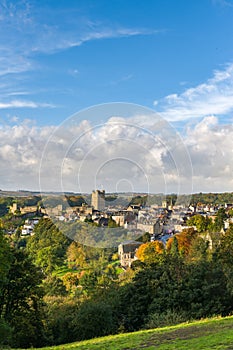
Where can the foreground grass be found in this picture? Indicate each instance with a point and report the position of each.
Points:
(216, 333)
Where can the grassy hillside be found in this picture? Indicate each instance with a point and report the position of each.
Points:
(216, 333)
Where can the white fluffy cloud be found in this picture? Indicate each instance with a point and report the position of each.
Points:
(210, 146)
(82, 157)
(214, 97)
(20, 153)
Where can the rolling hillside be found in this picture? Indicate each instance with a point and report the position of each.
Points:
(216, 333)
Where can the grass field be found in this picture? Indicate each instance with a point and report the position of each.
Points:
(216, 333)
(61, 271)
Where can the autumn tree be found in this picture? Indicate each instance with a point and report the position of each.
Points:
(150, 252)
(70, 281)
(76, 255)
(184, 240)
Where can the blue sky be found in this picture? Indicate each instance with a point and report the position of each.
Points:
(59, 57)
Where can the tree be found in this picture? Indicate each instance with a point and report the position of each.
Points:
(224, 255)
(89, 281)
(112, 223)
(150, 252)
(76, 255)
(47, 247)
(174, 248)
(198, 249)
(219, 220)
(21, 299)
(144, 238)
(5, 259)
(5, 263)
(184, 289)
(136, 297)
(99, 317)
(70, 281)
(184, 240)
(54, 286)
(107, 278)
(201, 222)
(61, 314)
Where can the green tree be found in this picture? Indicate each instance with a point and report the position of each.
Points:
(5, 259)
(144, 238)
(76, 255)
(224, 255)
(198, 249)
(21, 299)
(61, 314)
(177, 287)
(112, 223)
(47, 247)
(174, 250)
(54, 286)
(99, 317)
(5, 263)
(219, 220)
(89, 282)
(201, 222)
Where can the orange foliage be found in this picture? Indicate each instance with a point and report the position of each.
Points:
(184, 240)
(148, 250)
(70, 280)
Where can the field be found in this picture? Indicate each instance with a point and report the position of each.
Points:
(216, 333)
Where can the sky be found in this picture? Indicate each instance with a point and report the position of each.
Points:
(159, 74)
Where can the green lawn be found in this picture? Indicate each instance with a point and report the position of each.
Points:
(216, 333)
(61, 271)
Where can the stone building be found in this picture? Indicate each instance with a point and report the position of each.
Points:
(126, 252)
(98, 200)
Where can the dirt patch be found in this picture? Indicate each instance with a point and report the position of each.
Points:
(185, 333)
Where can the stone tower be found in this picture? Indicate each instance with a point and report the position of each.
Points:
(98, 199)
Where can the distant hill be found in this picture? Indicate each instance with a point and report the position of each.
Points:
(126, 198)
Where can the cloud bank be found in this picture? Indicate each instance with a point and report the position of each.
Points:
(118, 155)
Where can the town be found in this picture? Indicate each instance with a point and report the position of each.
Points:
(159, 221)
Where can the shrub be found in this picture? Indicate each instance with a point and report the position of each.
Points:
(94, 319)
(5, 333)
(167, 318)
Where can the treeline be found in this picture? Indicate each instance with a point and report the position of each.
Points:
(54, 290)
(194, 199)
(211, 198)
